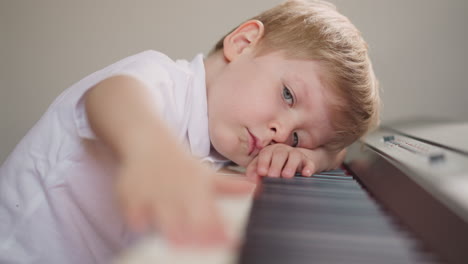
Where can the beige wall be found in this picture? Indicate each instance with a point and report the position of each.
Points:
(418, 48)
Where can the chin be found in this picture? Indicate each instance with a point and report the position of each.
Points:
(241, 162)
(232, 154)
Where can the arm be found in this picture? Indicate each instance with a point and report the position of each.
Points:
(153, 188)
(280, 160)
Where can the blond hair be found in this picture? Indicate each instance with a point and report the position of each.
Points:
(314, 30)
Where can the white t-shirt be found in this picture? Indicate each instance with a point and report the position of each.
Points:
(57, 203)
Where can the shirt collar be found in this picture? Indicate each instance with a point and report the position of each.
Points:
(197, 132)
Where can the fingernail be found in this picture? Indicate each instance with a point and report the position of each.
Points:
(262, 171)
(286, 173)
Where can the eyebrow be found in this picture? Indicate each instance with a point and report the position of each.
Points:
(304, 87)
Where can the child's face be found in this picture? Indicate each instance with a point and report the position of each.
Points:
(256, 101)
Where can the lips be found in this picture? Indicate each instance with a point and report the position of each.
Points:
(253, 142)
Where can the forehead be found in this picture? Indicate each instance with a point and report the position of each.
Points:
(310, 72)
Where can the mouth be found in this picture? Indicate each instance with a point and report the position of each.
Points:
(252, 142)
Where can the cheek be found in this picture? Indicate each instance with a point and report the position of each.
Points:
(244, 94)
(228, 142)
(262, 107)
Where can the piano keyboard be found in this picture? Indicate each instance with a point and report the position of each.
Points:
(327, 218)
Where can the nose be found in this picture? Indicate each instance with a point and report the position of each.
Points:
(281, 134)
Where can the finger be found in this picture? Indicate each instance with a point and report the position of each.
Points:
(228, 185)
(200, 218)
(264, 161)
(279, 158)
(208, 226)
(168, 220)
(258, 189)
(293, 163)
(133, 209)
(309, 168)
(251, 170)
(138, 218)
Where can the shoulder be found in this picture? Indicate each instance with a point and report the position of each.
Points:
(152, 57)
(154, 67)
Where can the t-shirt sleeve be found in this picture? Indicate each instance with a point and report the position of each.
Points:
(146, 70)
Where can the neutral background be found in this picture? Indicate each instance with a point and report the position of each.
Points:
(417, 46)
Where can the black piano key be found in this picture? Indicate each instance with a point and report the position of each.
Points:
(326, 218)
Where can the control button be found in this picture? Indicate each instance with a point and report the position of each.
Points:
(388, 138)
(436, 157)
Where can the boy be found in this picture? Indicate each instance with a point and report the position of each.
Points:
(286, 91)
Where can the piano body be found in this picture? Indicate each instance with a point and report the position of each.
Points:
(401, 197)
(418, 171)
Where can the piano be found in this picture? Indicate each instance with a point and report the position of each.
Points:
(401, 196)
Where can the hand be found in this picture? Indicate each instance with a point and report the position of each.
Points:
(178, 199)
(280, 160)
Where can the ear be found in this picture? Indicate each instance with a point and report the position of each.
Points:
(243, 38)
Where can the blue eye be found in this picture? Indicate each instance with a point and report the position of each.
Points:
(295, 140)
(288, 96)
